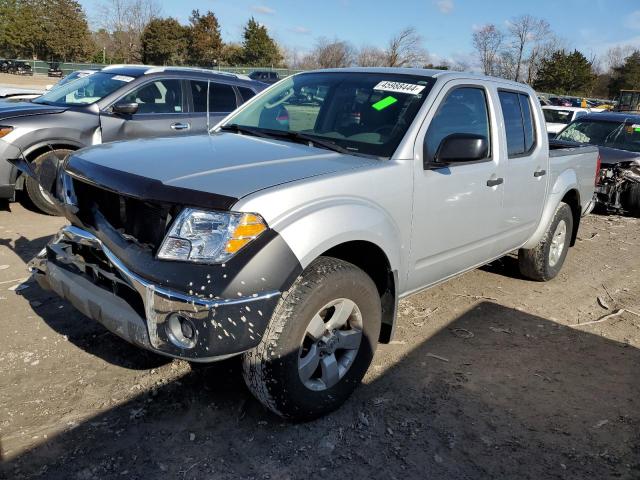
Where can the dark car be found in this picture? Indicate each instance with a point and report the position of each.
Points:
(54, 70)
(116, 103)
(618, 137)
(264, 76)
(20, 68)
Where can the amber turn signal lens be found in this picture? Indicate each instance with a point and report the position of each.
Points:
(5, 131)
(248, 229)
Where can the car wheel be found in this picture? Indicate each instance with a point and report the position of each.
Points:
(37, 195)
(319, 343)
(631, 199)
(543, 262)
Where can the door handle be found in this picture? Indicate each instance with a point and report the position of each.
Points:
(539, 173)
(180, 126)
(494, 182)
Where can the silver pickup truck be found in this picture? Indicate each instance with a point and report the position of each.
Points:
(289, 233)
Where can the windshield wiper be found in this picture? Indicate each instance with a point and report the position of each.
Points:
(311, 140)
(295, 136)
(234, 127)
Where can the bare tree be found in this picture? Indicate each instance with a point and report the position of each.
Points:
(331, 54)
(405, 49)
(615, 56)
(370, 56)
(526, 31)
(487, 41)
(125, 20)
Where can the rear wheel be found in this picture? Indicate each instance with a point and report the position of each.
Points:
(631, 199)
(544, 261)
(319, 343)
(37, 195)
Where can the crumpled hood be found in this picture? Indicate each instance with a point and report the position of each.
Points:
(225, 164)
(24, 109)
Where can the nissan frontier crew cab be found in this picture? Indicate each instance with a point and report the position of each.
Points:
(289, 233)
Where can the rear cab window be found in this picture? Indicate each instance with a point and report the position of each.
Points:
(518, 121)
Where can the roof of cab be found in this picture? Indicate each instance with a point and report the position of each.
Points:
(425, 72)
(139, 70)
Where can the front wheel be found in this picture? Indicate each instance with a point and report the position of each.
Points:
(37, 195)
(544, 261)
(319, 342)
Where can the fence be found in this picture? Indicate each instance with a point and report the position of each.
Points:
(40, 67)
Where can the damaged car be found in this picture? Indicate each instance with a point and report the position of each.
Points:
(618, 137)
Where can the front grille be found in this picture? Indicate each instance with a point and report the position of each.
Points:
(139, 220)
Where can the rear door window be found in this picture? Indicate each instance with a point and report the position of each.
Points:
(518, 122)
(246, 93)
(222, 97)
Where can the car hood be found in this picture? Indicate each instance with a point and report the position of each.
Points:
(608, 155)
(223, 164)
(24, 109)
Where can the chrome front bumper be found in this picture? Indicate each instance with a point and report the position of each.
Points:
(146, 314)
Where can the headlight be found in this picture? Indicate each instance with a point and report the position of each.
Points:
(209, 237)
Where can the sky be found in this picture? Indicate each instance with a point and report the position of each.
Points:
(446, 26)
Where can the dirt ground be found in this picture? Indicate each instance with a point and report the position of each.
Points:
(490, 376)
(27, 81)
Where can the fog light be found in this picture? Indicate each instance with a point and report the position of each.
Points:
(181, 331)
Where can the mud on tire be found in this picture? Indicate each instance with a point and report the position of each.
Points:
(545, 260)
(274, 370)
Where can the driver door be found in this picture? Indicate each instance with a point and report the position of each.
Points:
(457, 209)
(161, 113)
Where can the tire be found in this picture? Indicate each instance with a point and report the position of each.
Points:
(631, 199)
(544, 261)
(36, 195)
(274, 370)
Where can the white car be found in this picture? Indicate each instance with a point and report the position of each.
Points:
(557, 118)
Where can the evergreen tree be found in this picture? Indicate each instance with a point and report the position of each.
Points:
(626, 76)
(66, 31)
(259, 49)
(164, 41)
(565, 74)
(205, 41)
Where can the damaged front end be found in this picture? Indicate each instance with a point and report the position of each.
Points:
(105, 263)
(618, 189)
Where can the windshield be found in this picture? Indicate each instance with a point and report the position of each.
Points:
(362, 113)
(557, 116)
(84, 90)
(620, 135)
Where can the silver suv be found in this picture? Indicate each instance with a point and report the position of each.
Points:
(116, 103)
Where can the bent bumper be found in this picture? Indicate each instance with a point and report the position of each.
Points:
(104, 289)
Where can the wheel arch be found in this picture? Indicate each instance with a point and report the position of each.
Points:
(566, 190)
(572, 198)
(371, 259)
(37, 149)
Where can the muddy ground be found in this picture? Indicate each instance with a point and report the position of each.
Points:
(490, 376)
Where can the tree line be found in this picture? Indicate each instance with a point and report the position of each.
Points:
(527, 50)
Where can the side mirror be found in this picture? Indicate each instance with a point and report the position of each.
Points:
(125, 108)
(458, 148)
